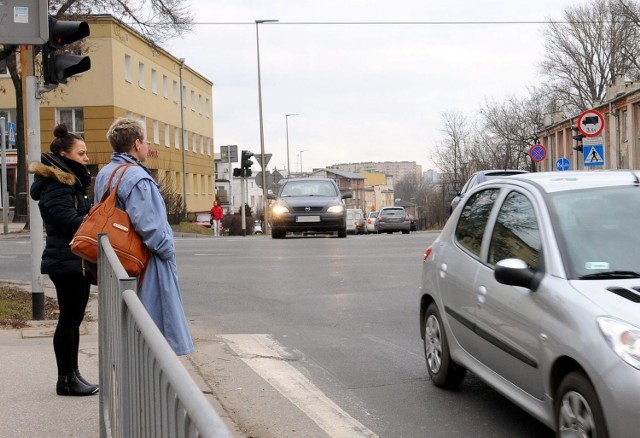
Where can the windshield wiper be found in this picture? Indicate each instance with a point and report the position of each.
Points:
(610, 275)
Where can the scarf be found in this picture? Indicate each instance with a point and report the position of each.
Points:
(125, 156)
(79, 170)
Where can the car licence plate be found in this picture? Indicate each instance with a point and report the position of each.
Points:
(307, 218)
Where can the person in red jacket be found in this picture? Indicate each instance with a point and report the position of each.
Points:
(216, 217)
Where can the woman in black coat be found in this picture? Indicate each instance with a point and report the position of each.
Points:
(60, 187)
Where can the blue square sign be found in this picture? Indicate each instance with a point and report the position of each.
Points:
(593, 155)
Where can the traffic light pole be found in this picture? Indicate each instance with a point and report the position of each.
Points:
(35, 220)
(243, 181)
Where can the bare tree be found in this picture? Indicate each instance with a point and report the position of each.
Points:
(587, 50)
(629, 10)
(157, 20)
(510, 127)
(453, 155)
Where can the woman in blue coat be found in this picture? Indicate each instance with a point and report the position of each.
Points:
(139, 196)
(60, 187)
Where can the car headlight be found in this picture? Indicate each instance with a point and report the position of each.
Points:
(335, 209)
(623, 338)
(279, 209)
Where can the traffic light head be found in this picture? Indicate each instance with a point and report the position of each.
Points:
(62, 33)
(246, 160)
(237, 172)
(58, 67)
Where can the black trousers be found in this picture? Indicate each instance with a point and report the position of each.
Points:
(72, 291)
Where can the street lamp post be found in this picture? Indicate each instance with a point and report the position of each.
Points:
(265, 210)
(300, 153)
(286, 118)
(182, 145)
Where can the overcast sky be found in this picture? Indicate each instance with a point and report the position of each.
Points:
(364, 92)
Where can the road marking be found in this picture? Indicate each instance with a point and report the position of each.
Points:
(265, 355)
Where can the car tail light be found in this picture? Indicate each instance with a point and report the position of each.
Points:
(380, 219)
(406, 218)
(426, 255)
(368, 220)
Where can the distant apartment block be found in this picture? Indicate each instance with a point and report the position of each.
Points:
(396, 169)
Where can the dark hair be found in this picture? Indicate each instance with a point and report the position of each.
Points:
(64, 140)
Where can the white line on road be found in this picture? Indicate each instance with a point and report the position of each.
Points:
(264, 355)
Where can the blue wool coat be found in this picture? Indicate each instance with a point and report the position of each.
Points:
(139, 196)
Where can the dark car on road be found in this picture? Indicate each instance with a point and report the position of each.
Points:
(533, 286)
(478, 178)
(392, 219)
(308, 204)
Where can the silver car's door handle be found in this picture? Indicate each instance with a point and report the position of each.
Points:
(482, 295)
(443, 270)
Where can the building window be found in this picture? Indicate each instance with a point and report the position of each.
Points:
(194, 141)
(176, 135)
(154, 81)
(129, 115)
(202, 145)
(206, 106)
(175, 92)
(184, 96)
(185, 139)
(200, 104)
(73, 118)
(156, 132)
(127, 68)
(209, 146)
(141, 75)
(193, 100)
(165, 87)
(167, 135)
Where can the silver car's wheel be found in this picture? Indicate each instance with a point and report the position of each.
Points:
(442, 370)
(433, 344)
(578, 411)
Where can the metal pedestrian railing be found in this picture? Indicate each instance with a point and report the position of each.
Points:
(145, 391)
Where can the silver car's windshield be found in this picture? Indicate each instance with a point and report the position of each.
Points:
(308, 188)
(598, 231)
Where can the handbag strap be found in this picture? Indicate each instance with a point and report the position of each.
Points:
(115, 188)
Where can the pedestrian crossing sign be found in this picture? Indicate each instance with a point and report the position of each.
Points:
(593, 155)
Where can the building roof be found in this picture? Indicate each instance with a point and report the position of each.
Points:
(341, 173)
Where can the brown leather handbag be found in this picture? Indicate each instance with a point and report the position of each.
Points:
(106, 217)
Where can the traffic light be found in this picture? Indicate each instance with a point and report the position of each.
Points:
(577, 136)
(57, 67)
(237, 172)
(246, 163)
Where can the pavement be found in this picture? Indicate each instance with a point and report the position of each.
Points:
(29, 405)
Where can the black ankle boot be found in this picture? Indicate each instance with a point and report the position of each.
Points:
(77, 373)
(69, 384)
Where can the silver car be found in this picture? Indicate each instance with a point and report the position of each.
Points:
(534, 286)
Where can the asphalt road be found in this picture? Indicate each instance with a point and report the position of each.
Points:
(339, 349)
(346, 313)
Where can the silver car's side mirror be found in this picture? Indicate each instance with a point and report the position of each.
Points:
(515, 272)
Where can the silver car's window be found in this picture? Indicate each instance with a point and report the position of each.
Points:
(598, 229)
(308, 188)
(473, 220)
(516, 233)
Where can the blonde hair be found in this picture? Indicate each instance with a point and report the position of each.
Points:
(123, 133)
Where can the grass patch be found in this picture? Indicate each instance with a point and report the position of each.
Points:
(188, 227)
(16, 308)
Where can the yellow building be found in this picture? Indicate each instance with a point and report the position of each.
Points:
(129, 77)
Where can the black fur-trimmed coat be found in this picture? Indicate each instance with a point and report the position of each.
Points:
(63, 203)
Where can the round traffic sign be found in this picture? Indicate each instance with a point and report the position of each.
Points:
(537, 152)
(562, 164)
(591, 123)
